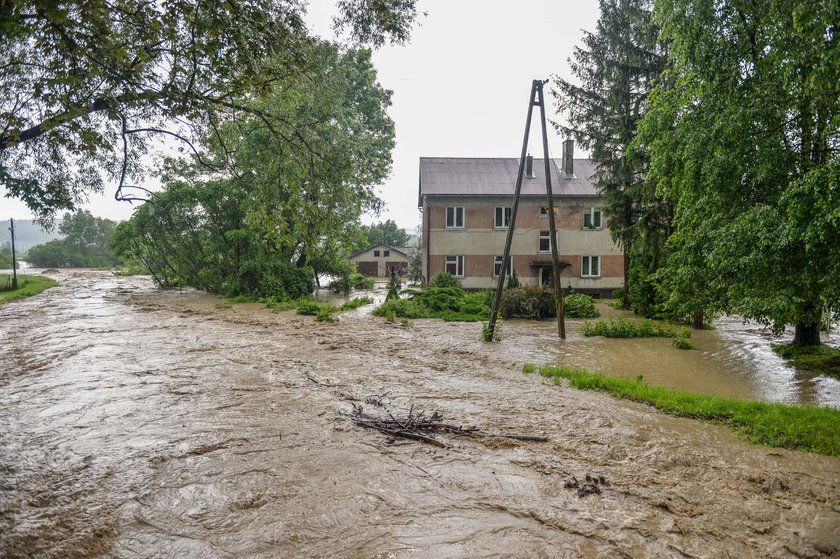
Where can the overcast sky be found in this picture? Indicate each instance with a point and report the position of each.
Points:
(460, 86)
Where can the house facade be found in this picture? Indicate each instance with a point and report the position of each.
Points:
(467, 204)
(379, 260)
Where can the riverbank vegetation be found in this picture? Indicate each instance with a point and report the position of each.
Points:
(85, 244)
(810, 429)
(822, 359)
(28, 286)
(711, 224)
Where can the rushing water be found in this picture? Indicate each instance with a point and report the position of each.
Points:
(142, 423)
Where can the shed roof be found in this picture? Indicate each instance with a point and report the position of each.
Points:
(402, 250)
(496, 176)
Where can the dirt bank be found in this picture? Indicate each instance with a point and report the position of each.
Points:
(136, 423)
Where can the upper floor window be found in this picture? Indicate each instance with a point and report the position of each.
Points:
(386, 253)
(454, 217)
(376, 253)
(592, 218)
(545, 241)
(454, 265)
(497, 265)
(503, 217)
(590, 267)
(544, 211)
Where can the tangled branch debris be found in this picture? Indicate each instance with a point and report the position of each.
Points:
(423, 427)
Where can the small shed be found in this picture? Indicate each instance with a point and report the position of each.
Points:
(379, 260)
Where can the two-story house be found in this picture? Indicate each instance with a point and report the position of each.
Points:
(467, 205)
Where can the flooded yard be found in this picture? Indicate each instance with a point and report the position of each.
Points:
(142, 423)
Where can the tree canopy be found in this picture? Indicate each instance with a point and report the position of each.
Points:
(86, 89)
(387, 233)
(744, 137)
(85, 244)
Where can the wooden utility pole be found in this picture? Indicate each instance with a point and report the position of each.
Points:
(536, 99)
(14, 259)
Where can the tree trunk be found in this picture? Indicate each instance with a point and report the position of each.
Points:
(697, 319)
(807, 334)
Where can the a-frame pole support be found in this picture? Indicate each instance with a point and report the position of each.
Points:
(537, 99)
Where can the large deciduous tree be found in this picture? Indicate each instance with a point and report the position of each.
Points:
(744, 139)
(286, 209)
(614, 71)
(87, 87)
(386, 232)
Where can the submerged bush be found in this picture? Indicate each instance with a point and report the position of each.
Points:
(451, 303)
(623, 328)
(529, 302)
(308, 307)
(580, 306)
(403, 308)
(444, 279)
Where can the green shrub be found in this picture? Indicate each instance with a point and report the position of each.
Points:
(356, 303)
(403, 308)
(326, 314)
(580, 306)
(361, 281)
(529, 302)
(623, 328)
(682, 343)
(444, 279)
(308, 307)
(529, 368)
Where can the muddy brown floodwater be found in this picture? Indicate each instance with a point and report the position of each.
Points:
(140, 423)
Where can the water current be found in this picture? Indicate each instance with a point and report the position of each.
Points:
(143, 423)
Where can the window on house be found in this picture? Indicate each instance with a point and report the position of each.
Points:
(454, 216)
(544, 211)
(590, 267)
(376, 253)
(497, 265)
(454, 265)
(592, 218)
(545, 241)
(386, 253)
(503, 216)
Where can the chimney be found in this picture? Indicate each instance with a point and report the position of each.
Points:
(569, 158)
(529, 166)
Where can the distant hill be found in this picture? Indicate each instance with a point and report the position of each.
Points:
(27, 234)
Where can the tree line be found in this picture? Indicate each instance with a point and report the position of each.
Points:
(714, 128)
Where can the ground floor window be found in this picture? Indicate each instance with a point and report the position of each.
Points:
(592, 218)
(590, 266)
(454, 265)
(497, 265)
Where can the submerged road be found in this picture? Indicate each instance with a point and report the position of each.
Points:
(142, 423)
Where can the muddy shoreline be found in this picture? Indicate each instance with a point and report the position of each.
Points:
(139, 423)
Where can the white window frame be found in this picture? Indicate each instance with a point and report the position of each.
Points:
(547, 237)
(586, 266)
(454, 212)
(497, 265)
(505, 213)
(459, 265)
(591, 213)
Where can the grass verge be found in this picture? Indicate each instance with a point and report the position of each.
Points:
(822, 359)
(27, 287)
(806, 428)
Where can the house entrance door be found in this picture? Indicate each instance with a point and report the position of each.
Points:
(545, 277)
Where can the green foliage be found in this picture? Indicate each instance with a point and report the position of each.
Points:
(530, 302)
(623, 328)
(356, 303)
(529, 368)
(444, 279)
(104, 83)
(309, 307)
(809, 429)
(6, 260)
(326, 314)
(27, 287)
(386, 233)
(403, 308)
(755, 221)
(85, 244)
(682, 339)
(512, 280)
(361, 281)
(615, 69)
(579, 305)
(822, 359)
(393, 288)
(405, 323)
(496, 334)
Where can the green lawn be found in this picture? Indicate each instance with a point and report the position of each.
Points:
(27, 287)
(807, 428)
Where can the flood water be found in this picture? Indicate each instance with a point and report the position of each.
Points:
(143, 423)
